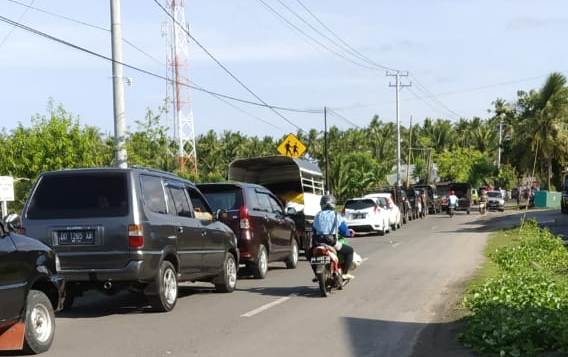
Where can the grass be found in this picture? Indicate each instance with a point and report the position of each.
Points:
(517, 302)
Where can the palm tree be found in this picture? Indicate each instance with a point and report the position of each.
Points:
(547, 124)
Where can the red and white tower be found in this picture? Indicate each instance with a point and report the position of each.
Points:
(178, 62)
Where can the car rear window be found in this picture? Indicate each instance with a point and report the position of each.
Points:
(359, 204)
(494, 194)
(80, 195)
(223, 197)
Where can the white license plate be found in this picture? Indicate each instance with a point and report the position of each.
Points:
(320, 260)
(76, 237)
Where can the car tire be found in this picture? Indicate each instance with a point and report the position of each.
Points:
(226, 282)
(165, 298)
(39, 322)
(292, 260)
(260, 266)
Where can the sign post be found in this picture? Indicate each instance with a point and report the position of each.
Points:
(6, 193)
(292, 147)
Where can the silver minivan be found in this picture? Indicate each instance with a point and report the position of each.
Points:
(137, 228)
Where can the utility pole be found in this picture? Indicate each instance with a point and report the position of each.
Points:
(325, 144)
(409, 155)
(500, 143)
(118, 85)
(397, 85)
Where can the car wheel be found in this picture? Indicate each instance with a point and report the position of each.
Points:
(292, 260)
(40, 323)
(260, 268)
(227, 279)
(167, 289)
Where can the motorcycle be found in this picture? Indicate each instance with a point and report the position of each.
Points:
(326, 265)
(451, 210)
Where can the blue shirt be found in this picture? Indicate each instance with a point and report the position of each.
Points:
(324, 223)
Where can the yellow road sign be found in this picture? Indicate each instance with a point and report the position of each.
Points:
(292, 147)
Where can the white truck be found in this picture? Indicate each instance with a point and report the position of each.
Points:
(298, 183)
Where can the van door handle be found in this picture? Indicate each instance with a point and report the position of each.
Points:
(180, 229)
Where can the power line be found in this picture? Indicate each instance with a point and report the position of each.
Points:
(315, 40)
(223, 66)
(434, 97)
(7, 36)
(149, 73)
(331, 40)
(345, 119)
(347, 45)
(145, 53)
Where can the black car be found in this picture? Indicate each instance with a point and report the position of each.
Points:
(138, 229)
(30, 292)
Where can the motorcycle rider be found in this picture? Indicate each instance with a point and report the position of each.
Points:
(452, 200)
(326, 227)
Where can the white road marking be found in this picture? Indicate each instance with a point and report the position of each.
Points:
(364, 260)
(268, 306)
(396, 244)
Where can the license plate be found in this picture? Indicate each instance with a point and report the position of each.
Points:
(320, 260)
(76, 237)
(359, 215)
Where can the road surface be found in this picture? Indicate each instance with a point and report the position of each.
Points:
(407, 279)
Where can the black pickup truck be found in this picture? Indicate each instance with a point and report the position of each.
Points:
(30, 292)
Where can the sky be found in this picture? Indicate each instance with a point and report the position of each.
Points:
(467, 53)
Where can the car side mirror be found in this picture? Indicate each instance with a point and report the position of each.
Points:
(291, 211)
(221, 214)
(12, 222)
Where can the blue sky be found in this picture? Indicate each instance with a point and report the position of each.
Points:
(453, 47)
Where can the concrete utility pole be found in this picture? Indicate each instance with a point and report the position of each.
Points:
(500, 143)
(118, 85)
(397, 85)
(326, 150)
(409, 155)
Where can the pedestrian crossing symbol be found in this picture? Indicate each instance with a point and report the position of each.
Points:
(292, 147)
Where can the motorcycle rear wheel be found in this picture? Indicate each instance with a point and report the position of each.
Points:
(322, 279)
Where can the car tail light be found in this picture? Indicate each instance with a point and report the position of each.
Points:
(135, 236)
(245, 218)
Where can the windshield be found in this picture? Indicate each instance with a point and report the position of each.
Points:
(494, 194)
(223, 197)
(359, 204)
(80, 195)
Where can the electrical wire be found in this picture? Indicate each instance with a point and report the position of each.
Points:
(208, 53)
(342, 117)
(353, 50)
(149, 73)
(434, 97)
(145, 53)
(305, 34)
(7, 36)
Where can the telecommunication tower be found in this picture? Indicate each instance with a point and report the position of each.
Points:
(178, 63)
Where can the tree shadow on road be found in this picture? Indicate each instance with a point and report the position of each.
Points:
(393, 338)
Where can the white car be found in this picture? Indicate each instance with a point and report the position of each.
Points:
(364, 215)
(385, 201)
(495, 200)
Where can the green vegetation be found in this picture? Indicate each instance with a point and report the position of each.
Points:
(360, 159)
(519, 299)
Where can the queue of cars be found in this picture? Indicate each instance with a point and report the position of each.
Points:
(147, 230)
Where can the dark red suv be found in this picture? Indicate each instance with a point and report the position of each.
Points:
(264, 232)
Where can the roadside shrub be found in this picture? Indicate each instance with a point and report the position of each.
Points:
(523, 310)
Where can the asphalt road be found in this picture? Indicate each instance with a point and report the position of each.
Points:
(409, 276)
